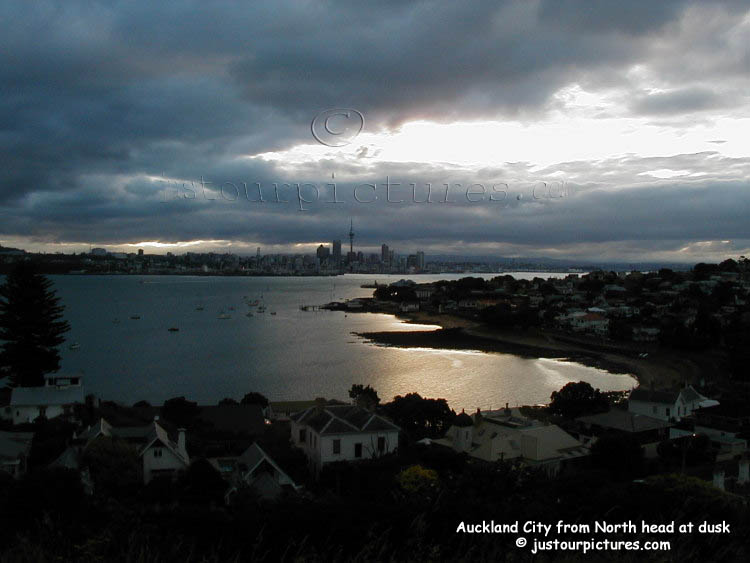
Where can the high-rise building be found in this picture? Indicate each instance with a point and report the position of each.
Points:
(323, 252)
(337, 253)
(351, 236)
(385, 255)
(420, 260)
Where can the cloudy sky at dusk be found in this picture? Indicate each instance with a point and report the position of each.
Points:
(583, 130)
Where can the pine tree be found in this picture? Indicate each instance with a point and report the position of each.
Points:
(31, 327)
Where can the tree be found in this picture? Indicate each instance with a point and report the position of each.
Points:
(420, 417)
(365, 397)
(227, 401)
(180, 411)
(254, 398)
(31, 327)
(577, 399)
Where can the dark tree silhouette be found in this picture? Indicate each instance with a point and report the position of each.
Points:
(364, 396)
(31, 326)
(577, 399)
(254, 398)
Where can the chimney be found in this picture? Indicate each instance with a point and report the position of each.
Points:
(181, 440)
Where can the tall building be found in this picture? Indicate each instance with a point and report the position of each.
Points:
(351, 236)
(323, 252)
(337, 253)
(420, 260)
(385, 255)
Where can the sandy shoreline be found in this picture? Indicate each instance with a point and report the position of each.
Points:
(666, 368)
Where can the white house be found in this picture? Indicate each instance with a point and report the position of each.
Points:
(14, 451)
(506, 435)
(667, 405)
(160, 455)
(328, 433)
(56, 397)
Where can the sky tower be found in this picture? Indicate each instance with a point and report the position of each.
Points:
(351, 236)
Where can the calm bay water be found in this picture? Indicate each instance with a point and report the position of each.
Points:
(287, 356)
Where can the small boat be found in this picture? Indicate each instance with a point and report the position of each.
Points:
(199, 308)
(74, 346)
(273, 312)
(261, 308)
(135, 317)
(249, 314)
(173, 329)
(224, 316)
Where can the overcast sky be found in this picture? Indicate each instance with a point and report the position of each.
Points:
(586, 130)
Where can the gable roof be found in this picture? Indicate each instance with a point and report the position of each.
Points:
(254, 456)
(157, 436)
(147, 436)
(343, 419)
(653, 396)
(688, 395)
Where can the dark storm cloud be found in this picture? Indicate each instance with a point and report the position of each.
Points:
(100, 98)
(680, 102)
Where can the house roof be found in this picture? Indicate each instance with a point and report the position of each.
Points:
(343, 419)
(253, 456)
(34, 396)
(646, 395)
(157, 435)
(551, 442)
(688, 394)
(618, 419)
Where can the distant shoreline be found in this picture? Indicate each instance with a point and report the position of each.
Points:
(665, 368)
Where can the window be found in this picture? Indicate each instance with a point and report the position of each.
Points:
(336, 447)
(302, 435)
(667, 411)
(357, 450)
(157, 452)
(381, 443)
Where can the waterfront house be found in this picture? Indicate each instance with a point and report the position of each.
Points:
(328, 433)
(14, 452)
(667, 405)
(57, 397)
(508, 435)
